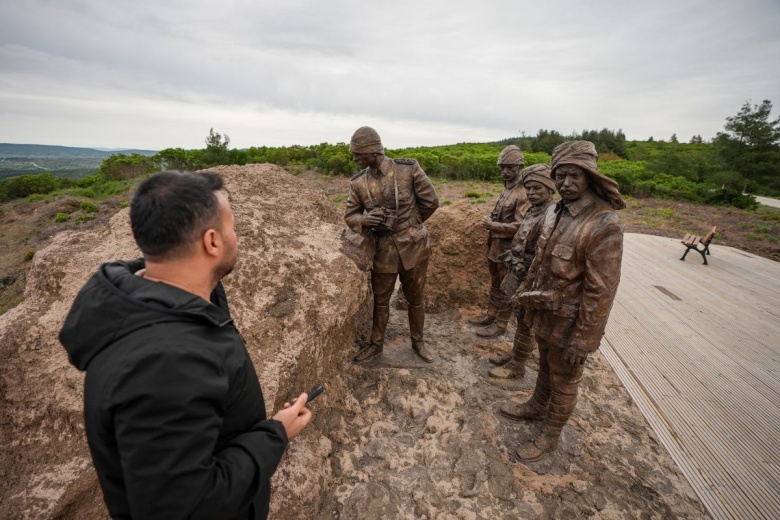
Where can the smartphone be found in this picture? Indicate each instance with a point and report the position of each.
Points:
(314, 392)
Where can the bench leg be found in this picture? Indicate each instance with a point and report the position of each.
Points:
(685, 254)
(707, 249)
(704, 257)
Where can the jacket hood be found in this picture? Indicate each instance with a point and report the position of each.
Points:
(116, 302)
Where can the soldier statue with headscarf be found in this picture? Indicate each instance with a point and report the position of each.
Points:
(540, 188)
(568, 293)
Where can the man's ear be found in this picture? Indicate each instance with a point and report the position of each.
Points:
(212, 242)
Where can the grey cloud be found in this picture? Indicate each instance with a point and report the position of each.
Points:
(487, 69)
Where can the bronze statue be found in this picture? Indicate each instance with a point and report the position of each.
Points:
(389, 199)
(539, 187)
(502, 224)
(568, 293)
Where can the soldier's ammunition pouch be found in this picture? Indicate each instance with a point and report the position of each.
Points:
(540, 300)
(511, 283)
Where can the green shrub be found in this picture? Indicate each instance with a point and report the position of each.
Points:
(28, 255)
(341, 197)
(24, 185)
(88, 207)
(446, 202)
(122, 167)
(61, 217)
(123, 204)
(84, 218)
(472, 194)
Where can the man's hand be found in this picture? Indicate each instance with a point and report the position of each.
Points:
(487, 223)
(294, 416)
(575, 356)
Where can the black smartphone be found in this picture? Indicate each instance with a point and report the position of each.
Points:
(314, 392)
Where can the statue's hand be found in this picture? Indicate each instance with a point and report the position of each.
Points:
(575, 356)
(372, 219)
(487, 223)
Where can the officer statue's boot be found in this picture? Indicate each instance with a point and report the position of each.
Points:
(381, 317)
(514, 368)
(561, 407)
(498, 327)
(490, 316)
(416, 326)
(535, 409)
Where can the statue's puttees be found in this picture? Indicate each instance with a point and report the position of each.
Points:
(389, 199)
(539, 187)
(569, 290)
(502, 224)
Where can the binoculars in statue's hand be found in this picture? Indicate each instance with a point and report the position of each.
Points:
(389, 217)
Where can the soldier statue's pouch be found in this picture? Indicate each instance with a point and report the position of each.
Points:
(510, 283)
(540, 300)
(359, 248)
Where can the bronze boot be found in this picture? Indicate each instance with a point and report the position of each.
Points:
(562, 404)
(378, 327)
(490, 316)
(498, 327)
(503, 359)
(510, 370)
(537, 448)
(535, 409)
(416, 326)
(514, 367)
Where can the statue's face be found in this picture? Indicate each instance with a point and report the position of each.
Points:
(509, 172)
(365, 160)
(537, 192)
(572, 181)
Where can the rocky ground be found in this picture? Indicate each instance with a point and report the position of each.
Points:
(420, 441)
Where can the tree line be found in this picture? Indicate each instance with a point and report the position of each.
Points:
(744, 157)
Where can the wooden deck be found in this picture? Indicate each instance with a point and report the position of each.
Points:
(698, 348)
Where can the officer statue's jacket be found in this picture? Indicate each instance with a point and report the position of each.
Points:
(406, 244)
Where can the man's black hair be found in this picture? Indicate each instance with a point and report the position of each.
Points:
(170, 209)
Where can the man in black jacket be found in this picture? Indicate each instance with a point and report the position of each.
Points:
(175, 417)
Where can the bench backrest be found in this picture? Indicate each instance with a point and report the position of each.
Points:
(708, 238)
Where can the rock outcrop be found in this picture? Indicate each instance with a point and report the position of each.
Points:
(296, 299)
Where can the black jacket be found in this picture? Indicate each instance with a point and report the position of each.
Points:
(175, 417)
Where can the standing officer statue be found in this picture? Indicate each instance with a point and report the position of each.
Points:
(569, 290)
(502, 225)
(389, 199)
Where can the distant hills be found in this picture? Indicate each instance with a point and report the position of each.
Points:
(62, 161)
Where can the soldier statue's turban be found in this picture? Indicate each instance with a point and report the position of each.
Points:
(540, 173)
(511, 155)
(583, 154)
(365, 140)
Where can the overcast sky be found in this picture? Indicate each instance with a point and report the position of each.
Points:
(153, 75)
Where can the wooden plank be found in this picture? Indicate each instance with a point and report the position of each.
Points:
(698, 349)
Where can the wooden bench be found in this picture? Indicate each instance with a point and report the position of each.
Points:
(694, 241)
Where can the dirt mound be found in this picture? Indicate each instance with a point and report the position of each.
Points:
(457, 271)
(296, 299)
